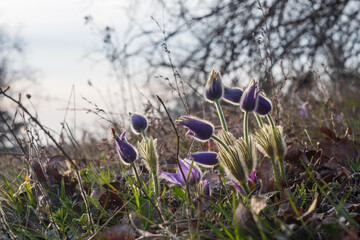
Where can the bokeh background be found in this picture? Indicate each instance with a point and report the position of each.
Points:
(88, 62)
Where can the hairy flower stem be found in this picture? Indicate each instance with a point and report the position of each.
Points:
(143, 134)
(258, 118)
(246, 136)
(220, 165)
(271, 121)
(136, 173)
(282, 171)
(277, 177)
(156, 183)
(281, 161)
(221, 115)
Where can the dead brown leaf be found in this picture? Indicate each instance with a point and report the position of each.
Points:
(118, 232)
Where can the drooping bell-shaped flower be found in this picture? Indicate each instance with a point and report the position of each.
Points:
(264, 105)
(232, 95)
(199, 129)
(249, 98)
(125, 150)
(213, 88)
(207, 159)
(178, 179)
(138, 123)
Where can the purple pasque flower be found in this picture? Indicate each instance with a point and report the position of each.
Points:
(125, 150)
(264, 105)
(213, 88)
(232, 95)
(177, 178)
(253, 182)
(207, 159)
(138, 123)
(199, 129)
(249, 98)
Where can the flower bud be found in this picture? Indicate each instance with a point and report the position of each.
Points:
(213, 87)
(138, 123)
(249, 98)
(232, 95)
(198, 129)
(147, 148)
(279, 144)
(126, 152)
(264, 139)
(207, 159)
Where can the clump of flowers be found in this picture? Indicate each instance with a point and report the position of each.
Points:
(237, 156)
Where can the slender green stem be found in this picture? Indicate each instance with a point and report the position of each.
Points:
(143, 134)
(270, 121)
(156, 182)
(281, 161)
(277, 178)
(246, 189)
(177, 149)
(220, 165)
(258, 118)
(221, 115)
(220, 142)
(245, 127)
(282, 171)
(136, 173)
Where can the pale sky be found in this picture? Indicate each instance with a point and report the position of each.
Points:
(57, 41)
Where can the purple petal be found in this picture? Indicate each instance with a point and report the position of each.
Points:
(264, 105)
(138, 123)
(126, 152)
(213, 87)
(248, 100)
(205, 158)
(195, 174)
(232, 95)
(172, 178)
(199, 129)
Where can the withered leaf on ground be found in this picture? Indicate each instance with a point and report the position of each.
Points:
(117, 232)
(265, 173)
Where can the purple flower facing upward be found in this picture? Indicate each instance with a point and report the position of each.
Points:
(199, 129)
(208, 159)
(253, 182)
(213, 87)
(138, 123)
(177, 178)
(249, 98)
(232, 95)
(264, 105)
(126, 152)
